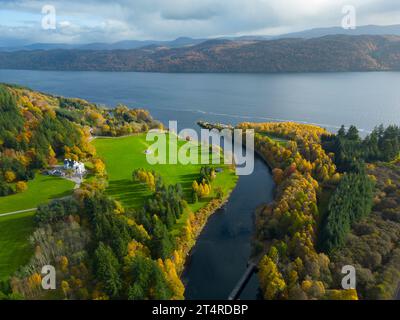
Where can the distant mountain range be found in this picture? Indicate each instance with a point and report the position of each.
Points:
(121, 45)
(186, 41)
(362, 30)
(324, 54)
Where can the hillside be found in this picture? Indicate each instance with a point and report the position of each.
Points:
(325, 54)
(38, 130)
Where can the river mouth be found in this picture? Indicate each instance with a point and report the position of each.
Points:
(222, 251)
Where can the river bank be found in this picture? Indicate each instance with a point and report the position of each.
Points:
(223, 247)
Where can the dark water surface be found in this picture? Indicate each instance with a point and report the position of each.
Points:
(331, 99)
(221, 253)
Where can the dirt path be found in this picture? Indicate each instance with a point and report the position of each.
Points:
(16, 212)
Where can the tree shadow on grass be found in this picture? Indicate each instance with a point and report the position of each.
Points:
(132, 194)
(186, 181)
(61, 195)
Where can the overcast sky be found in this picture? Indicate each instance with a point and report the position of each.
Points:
(83, 21)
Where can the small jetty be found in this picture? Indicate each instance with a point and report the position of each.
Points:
(244, 280)
(218, 126)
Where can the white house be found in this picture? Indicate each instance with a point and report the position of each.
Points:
(78, 167)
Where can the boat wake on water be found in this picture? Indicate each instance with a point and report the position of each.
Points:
(260, 118)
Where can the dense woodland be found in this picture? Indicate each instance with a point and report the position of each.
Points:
(321, 217)
(118, 121)
(362, 225)
(372, 245)
(32, 136)
(383, 144)
(99, 250)
(350, 203)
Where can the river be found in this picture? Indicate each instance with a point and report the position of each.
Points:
(221, 253)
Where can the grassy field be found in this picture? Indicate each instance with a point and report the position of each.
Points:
(123, 155)
(40, 190)
(283, 142)
(15, 229)
(15, 249)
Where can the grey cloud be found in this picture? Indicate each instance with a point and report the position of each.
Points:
(106, 20)
(198, 14)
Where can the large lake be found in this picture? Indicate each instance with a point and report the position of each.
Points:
(328, 99)
(331, 99)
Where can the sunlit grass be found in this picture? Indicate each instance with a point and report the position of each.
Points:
(15, 249)
(41, 189)
(123, 155)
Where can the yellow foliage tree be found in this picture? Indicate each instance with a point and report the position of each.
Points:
(64, 264)
(51, 159)
(195, 186)
(65, 288)
(271, 279)
(174, 282)
(34, 281)
(9, 176)
(350, 294)
(99, 167)
(21, 186)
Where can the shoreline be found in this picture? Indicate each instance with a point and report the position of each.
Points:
(202, 216)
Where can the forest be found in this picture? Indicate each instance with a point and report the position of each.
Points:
(372, 245)
(362, 222)
(383, 144)
(329, 210)
(351, 202)
(31, 138)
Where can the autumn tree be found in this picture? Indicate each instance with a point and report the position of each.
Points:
(271, 280)
(99, 167)
(21, 186)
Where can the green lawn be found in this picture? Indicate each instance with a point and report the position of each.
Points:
(15, 249)
(16, 229)
(276, 138)
(123, 155)
(40, 190)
